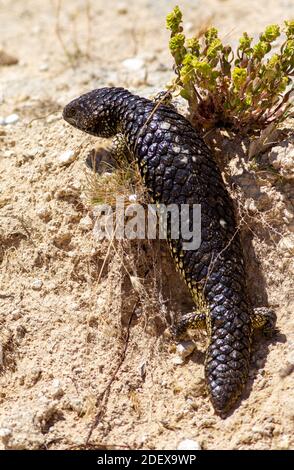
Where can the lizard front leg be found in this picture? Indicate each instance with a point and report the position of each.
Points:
(116, 154)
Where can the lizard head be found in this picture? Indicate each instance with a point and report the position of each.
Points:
(92, 113)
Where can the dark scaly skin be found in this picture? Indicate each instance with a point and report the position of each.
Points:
(177, 167)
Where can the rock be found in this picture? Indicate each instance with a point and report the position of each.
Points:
(5, 432)
(45, 411)
(33, 152)
(7, 59)
(62, 238)
(177, 360)
(8, 154)
(133, 64)
(189, 27)
(33, 376)
(52, 118)
(86, 223)
(189, 444)
(19, 332)
(66, 157)
(282, 159)
(5, 435)
(76, 186)
(287, 368)
(47, 196)
(56, 390)
(287, 244)
(290, 358)
(74, 404)
(184, 349)
(16, 314)
(257, 429)
(288, 217)
(37, 284)
(43, 213)
(11, 119)
(44, 67)
(283, 443)
(67, 192)
(288, 408)
(122, 8)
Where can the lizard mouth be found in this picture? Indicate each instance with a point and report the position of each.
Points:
(69, 114)
(70, 120)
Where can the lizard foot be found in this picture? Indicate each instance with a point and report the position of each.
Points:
(265, 318)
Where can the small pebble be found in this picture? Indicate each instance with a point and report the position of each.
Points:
(66, 157)
(43, 213)
(122, 8)
(86, 223)
(62, 238)
(7, 59)
(44, 67)
(290, 358)
(142, 370)
(281, 158)
(57, 390)
(189, 27)
(189, 444)
(16, 314)
(47, 196)
(74, 404)
(257, 429)
(177, 360)
(287, 368)
(5, 432)
(52, 118)
(284, 443)
(11, 119)
(37, 284)
(287, 244)
(33, 376)
(8, 153)
(184, 349)
(133, 197)
(35, 151)
(133, 64)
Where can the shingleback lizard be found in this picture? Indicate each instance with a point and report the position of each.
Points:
(177, 167)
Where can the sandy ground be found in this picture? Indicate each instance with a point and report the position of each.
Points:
(81, 321)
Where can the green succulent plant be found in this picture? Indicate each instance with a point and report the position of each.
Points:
(243, 90)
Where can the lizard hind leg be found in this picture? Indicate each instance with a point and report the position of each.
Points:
(264, 318)
(195, 320)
